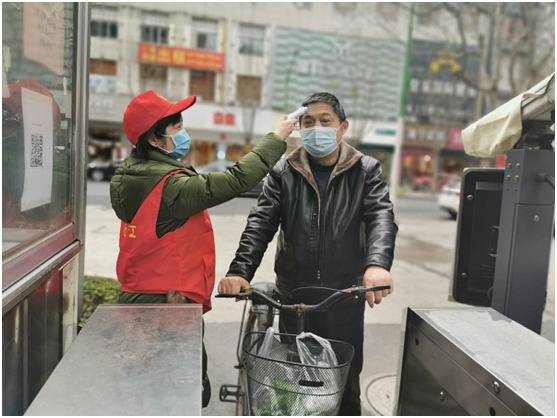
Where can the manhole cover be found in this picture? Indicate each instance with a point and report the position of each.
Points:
(379, 392)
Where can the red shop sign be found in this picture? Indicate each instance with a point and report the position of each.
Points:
(220, 118)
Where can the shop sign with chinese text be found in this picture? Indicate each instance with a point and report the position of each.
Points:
(180, 57)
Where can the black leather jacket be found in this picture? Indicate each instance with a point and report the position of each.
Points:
(323, 241)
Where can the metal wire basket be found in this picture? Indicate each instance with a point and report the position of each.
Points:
(278, 384)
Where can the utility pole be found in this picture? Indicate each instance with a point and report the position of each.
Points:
(406, 68)
(395, 171)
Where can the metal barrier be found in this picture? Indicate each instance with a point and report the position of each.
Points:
(129, 360)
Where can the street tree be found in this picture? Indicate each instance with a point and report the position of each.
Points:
(513, 42)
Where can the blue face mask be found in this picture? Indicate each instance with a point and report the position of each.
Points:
(182, 144)
(319, 141)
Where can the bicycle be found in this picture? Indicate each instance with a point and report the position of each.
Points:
(277, 377)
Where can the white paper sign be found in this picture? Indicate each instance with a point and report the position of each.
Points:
(5, 89)
(38, 136)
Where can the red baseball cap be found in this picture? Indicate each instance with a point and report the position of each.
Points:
(146, 109)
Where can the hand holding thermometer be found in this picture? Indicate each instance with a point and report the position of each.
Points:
(296, 114)
(286, 126)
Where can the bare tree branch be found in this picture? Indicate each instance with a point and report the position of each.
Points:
(513, 59)
(457, 15)
(536, 70)
(423, 12)
(498, 22)
(479, 8)
(460, 25)
(523, 14)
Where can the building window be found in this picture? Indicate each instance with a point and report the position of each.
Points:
(438, 87)
(248, 90)
(205, 34)
(102, 76)
(252, 40)
(153, 77)
(202, 84)
(104, 67)
(104, 29)
(425, 15)
(461, 89)
(154, 34)
(389, 11)
(303, 5)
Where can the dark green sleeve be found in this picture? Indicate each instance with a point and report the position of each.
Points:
(185, 196)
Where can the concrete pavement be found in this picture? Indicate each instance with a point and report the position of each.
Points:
(422, 271)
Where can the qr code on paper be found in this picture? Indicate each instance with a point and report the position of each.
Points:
(37, 150)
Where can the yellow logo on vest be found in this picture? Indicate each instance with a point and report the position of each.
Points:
(129, 231)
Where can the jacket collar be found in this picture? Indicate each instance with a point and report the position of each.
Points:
(348, 157)
(159, 157)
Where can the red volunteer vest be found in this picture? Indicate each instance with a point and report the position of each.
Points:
(181, 260)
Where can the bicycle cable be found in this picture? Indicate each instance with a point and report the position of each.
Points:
(240, 334)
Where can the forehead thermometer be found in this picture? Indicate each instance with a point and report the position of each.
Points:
(301, 111)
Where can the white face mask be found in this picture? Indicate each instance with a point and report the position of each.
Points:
(319, 141)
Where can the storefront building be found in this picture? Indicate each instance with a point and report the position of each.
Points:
(433, 154)
(246, 72)
(44, 115)
(379, 141)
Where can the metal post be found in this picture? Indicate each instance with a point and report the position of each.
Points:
(406, 68)
(81, 134)
(395, 175)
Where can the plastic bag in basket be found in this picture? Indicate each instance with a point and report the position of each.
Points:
(266, 346)
(270, 397)
(315, 350)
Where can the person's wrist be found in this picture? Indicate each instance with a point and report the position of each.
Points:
(280, 135)
(374, 267)
(235, 276)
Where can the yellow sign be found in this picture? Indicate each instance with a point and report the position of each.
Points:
(445, 59)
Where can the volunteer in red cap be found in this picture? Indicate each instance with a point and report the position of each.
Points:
(167, 251)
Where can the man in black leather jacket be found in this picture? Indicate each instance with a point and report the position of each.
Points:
(337, 230)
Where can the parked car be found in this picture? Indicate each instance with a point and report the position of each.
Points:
(222, 165)
(424, 182)
(449, 198)
(102, 170)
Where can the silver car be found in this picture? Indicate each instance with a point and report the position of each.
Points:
(449, 198)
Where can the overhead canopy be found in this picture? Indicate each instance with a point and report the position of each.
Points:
(499, 130)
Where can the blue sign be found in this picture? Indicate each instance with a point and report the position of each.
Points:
(385, 131)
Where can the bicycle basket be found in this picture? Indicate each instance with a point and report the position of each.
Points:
(278, 384)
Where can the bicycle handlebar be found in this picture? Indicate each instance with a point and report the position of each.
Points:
(326, 303)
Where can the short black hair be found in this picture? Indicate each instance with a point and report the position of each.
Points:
(324, 97)
(157, 130)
